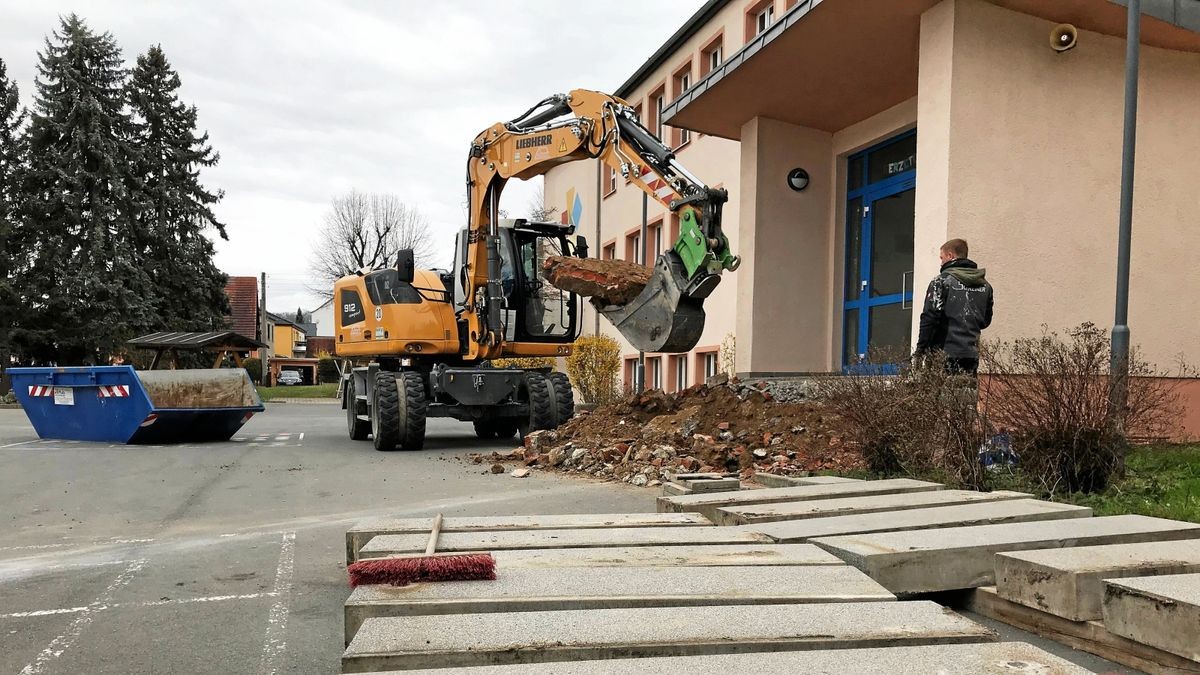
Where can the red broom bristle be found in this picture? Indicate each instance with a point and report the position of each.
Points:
(405, 571)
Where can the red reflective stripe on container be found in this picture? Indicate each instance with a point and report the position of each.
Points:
(41, 390)
(113, 391)
(150, 419)
(247, 417)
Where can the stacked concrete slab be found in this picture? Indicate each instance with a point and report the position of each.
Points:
(391, 544)
(1069, 582)
(708, 504)
(1160, 611)
(774, 481)
(996, 657)
(985, 513)
(823, 508)
(365, 530)
(922, 561)
(713, 555)
(466, 640)
(548, 589)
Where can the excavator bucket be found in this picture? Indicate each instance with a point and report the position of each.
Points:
(668, 315)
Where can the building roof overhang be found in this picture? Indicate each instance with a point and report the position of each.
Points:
(827, 64)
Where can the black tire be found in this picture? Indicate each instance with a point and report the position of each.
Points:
(484, 428)
(359, 429)
(385, 412)
(540, 395)
(414, 407)
(564, 398)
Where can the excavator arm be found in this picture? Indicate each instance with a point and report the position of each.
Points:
(668, 315)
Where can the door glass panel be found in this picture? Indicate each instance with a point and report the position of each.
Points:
(850, 338)
(547, 309)
(892, 242)
(892, 160)
(891, 331)
(854, 221)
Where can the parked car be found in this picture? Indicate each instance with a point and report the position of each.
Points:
(288, 378)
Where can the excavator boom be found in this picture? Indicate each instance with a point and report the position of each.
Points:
(668, 315)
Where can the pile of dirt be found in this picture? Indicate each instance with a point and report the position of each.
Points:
(725, 427)
(606, 282)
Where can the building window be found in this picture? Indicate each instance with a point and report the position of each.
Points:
(764, 19)
(710, 364)
(610, 251)
(630, 373)
(633, 252)
(681, 378)
(683, 80)
(654, 235)
(657, 100)
(759, 17)
(654, 373)
(610, 181)
(712, 55)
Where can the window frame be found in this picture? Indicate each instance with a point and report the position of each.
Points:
(681, 81)
(715, 45)
(753, 13)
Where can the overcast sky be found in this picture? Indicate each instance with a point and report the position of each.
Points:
(308, 99)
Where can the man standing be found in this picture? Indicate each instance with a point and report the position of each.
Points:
(958, 306)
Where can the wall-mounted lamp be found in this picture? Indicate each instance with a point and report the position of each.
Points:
(797, 179)
(1063, 37)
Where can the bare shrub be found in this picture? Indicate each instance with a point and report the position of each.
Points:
(1054, 395)
(911, 420)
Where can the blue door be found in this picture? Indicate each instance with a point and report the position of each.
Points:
(880, 211)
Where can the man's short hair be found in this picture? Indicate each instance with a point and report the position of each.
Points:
(956, 247)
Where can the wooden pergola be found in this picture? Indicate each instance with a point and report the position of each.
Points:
(220, 343)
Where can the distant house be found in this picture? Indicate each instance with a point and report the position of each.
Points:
(323, 317)
(289, 340)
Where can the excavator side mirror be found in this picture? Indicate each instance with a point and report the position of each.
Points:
(581, 247)
(406, 265)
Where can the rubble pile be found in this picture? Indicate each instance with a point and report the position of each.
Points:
(725, 426)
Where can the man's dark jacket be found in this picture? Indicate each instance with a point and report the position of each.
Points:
(958, 305)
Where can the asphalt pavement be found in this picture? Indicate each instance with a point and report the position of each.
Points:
(223, 557)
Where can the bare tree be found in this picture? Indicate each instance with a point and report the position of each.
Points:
(538, 210)
(367, 231)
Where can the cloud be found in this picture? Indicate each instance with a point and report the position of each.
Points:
(305, 100)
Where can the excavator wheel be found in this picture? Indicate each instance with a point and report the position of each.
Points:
(412, 410)
(385, 412)
(359, 429)
(542, 412)
(564, 398)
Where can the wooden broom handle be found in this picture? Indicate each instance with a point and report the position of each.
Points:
(433, 535)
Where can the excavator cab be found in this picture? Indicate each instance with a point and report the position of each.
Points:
(533, 309)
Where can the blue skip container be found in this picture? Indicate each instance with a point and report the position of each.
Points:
(117, 404)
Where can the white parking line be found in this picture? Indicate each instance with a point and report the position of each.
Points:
(90, 542)
(138, 605)
(63, 642)
(275, 641)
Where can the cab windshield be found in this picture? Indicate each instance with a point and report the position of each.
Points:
(385, 288)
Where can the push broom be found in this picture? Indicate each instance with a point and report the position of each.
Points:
(405, 570)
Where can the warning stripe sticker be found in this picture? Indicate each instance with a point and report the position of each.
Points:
(41, 390)
(113, 391)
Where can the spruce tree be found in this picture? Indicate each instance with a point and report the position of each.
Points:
(175, 209)
(83, 289)
(12, 118)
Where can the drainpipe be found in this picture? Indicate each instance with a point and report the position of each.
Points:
(1119, 365)
(641, 367)
(599, 243)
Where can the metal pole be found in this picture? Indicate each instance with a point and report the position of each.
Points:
(1119, 366)
(600, 166)
(264, 353)
(641, 374)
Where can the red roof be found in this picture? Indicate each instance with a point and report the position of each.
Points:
(243, 299)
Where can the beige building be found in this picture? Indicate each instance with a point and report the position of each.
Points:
(915, 121)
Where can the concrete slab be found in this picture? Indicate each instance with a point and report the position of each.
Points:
(707, 505)
(363, 531)
(1087, 636)
(821, 508)
(574, 635)
(389, 544)
(1069, 582)
(719, 555)
(922, 561)
(1160, 611)
(775, 481)
(996, 657)
(987, 513)
(709, 484)
(675, 490)
(540, 590)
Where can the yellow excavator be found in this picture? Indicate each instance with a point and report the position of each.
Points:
(423, 341)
